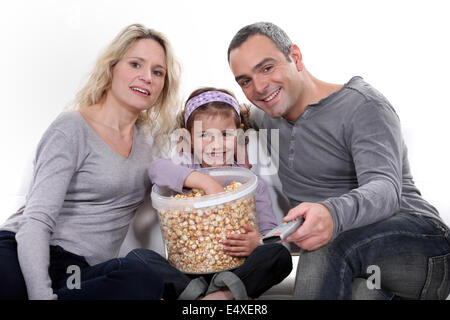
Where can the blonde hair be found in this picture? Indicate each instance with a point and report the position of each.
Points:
(158, 120)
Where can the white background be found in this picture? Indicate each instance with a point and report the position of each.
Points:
(400, 47)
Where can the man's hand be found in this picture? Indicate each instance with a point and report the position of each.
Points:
(241, 245)
(317, 229)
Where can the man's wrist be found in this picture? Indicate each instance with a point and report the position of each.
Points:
(331, 209)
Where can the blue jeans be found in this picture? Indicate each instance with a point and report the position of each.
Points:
(119, 278)
(408, 255)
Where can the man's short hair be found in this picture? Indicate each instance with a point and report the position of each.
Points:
(268, 29)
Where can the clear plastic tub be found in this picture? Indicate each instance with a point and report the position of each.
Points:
(193, 228)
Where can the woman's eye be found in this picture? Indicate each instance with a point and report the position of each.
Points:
(158, 73)
(135, 65)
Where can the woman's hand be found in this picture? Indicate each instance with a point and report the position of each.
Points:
(197, 180)
(242, 244)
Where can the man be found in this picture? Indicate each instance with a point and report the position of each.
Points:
(344, 167)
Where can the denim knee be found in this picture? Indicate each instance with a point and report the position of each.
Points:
(145, 282)
(145, 255)
(174, 280)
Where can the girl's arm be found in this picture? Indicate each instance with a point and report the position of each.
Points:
(166, 173)
(204, 182)
(264, 208)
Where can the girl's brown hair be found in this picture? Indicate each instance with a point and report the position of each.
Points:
(216, 108)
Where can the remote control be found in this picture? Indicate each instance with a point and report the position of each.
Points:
(282, 231)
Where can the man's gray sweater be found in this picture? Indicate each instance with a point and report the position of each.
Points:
(347, 152)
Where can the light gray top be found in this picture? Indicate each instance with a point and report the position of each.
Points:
(82, 198)
(347, 152)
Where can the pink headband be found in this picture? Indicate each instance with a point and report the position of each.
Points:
(206, 97)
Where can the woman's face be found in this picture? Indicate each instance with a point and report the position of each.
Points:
(138, 78)
(213, 140)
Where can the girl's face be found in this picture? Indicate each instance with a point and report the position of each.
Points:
(138, 78)
(213, 140)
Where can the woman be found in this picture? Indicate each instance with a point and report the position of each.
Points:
(89, 179)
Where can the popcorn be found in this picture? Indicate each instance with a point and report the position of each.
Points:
(192, 193)
(193, 237)
(199, 193)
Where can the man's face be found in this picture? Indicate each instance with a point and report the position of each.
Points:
(266, 77)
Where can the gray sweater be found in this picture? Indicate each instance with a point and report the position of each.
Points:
(347, 152)
(82, 198)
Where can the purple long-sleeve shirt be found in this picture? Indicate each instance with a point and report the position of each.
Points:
(165, 173)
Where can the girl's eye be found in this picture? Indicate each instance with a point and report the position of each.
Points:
(228, 134)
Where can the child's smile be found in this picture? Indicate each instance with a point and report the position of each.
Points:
(213, 139)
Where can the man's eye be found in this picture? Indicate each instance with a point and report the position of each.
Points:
(267, 68)
(243, 83)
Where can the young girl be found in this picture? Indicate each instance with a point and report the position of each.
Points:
(212, 117)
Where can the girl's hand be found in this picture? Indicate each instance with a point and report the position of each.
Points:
(197, 180)
(241, 245)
